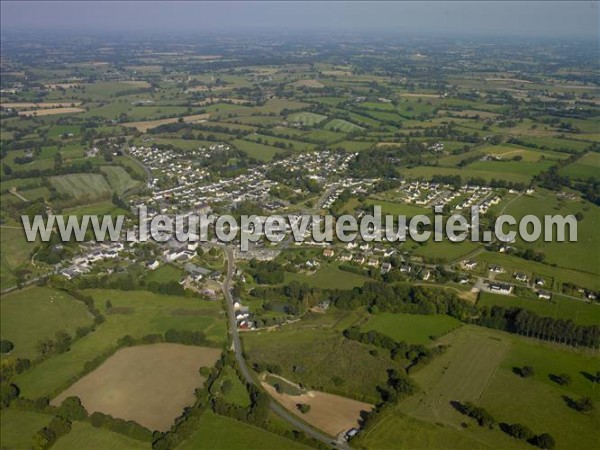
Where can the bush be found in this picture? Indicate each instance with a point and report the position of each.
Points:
(519, 431)
(544, 440)
(6, 346)
(303, 408)
(72, 409)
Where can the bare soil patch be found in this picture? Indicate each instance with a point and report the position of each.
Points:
(49, 112)
(149, 124)
(331, 413)
(150, 384)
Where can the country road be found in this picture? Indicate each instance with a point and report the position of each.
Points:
(237, 348)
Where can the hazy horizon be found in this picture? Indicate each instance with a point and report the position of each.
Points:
(523, 19)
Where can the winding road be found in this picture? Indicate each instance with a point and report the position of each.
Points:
(239, 356)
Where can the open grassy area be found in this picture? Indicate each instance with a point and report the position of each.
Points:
(314, 355)
(18, 427)
(14, 254)
(119, 179)
(328, 276)
(588, 166)
(218, 432)
(84, 436)
(164, 274)
(478, 367)
(37, 313)
(143, 313)
(306, 118)
(411, 328)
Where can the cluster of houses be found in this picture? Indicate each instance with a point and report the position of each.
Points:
(243, 316)
(364, 254)
(83, 263)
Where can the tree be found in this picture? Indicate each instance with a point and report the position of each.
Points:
(544, 440)
(108, 305)
(72, 409)
(519, 431)
(303, 407)
(6, 346)
(563, 379)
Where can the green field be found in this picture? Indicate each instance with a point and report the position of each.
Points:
(119, 179)
(478, 366)
(328, 276)
(235, 393)
(164, 274)
(306, 118)
(259, 151)
(588, 166)
(36, 313)
(18, 427)
(82, 185)
(411, 328)
(572, 255)
(314, 355)
(84, 436)
(218, 432)
(14, 254)
(558, 307)
(342, 125)
(138, 313)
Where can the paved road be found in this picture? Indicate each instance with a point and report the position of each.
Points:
(237, 348)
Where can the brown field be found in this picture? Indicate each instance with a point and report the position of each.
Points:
(51, 111)
(149, 124)
(150, 384)
(308, 84)
(331, 413)
(23, 105)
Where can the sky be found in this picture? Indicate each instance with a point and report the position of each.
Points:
(491, 18)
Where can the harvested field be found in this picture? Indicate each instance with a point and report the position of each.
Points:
(140, 383)
(331, 413)
(309, 84)
(27, 105)
(51, 111)
(149, 124)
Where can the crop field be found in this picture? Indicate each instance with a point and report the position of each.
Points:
(119, 179)
(36, 313)
(558, 307)
(306, 118)
(314, 356)
(330, 413)
(411, 328)
(218, 432)
(82, 185)
(51, 111)
(588, 166)
(148, 313)
(342, 125)
(84, 436)
(120, 386)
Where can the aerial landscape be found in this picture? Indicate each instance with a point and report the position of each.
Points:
(243, 113)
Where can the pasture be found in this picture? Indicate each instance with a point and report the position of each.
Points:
(219, 432)
(342, 125)
(18, 427)
(50, 111)
(411, 328)
(150, 384)
(83, 436)
(145, 125)
(588, 166)
(33, 314)
(328, 276)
